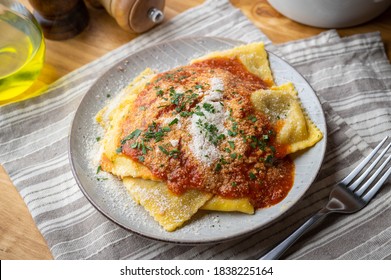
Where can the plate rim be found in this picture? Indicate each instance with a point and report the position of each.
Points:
(189, 242)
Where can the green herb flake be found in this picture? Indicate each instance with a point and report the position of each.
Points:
(141, 158)
(159, 92)
(135, 134)
(164, 151)
(231, 144)
(218, 167)
(252, 176)
(185, 114)
(102, 179)
(198, 86)
(134, 145)
(174, 153)
(252, 118)
(98, 169)
(209, 108)
(174, 121)
(232, 133)
(199, 113)
(269, 159)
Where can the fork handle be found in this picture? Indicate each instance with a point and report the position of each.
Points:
(275, 253)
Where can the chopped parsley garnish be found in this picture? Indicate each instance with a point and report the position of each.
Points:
(164, 151)
(231, 144)
(199, 113)
(185, 114)
(252, 118)
(218, 167)
(182, 101)
(174, 153)
(135, 134)
(232, 133)
(209, 108)
(198, 86)
(234, 130)
(158, 135)
(269, 159)
(102, 179)
(211, 132)
(159, 92)
(176, 97)
(141, 158)
(252, 176)
(174, 121)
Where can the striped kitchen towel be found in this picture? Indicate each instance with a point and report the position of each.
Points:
(352, 78)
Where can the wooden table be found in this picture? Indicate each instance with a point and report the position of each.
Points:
(19, 237)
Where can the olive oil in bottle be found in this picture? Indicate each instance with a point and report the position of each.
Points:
(22, 51)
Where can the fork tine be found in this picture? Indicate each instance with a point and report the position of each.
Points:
(364, 187)
(356, 183)
(359, 167)
(370, 194)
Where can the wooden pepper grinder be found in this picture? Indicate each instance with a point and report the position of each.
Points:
(60, 19)
(135, 16)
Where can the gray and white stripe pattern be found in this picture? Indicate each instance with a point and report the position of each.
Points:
(352, 78)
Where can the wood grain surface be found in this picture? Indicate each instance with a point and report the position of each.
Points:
(19, 237)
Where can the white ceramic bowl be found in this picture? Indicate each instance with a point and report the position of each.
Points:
(331, 13)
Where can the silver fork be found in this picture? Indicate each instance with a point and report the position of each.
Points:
(346, 197)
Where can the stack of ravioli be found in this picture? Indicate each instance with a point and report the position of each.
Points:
(280, 103)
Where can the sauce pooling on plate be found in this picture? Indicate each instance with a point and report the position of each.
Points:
(195, 127)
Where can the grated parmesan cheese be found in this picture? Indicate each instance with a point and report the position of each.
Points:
(203, 149)
(174, 142)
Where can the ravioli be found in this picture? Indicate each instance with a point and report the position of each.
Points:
(293, 126)
(136, 155)
(110, 118)
(253, 56)
(169, 210)
(218, 203)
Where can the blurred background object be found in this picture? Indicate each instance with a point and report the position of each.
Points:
(60, 20)
(135, 16)
(331, 13)
(22, 50)
(65, 19)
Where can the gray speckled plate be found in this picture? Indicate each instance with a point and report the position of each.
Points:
(109, 196)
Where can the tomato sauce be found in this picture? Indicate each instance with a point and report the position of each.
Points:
(159, 134)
